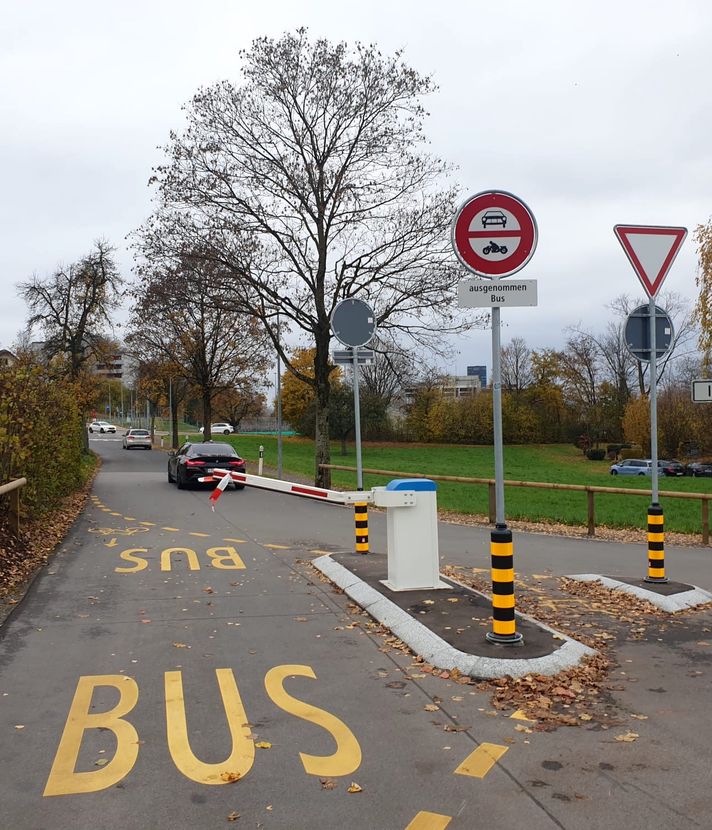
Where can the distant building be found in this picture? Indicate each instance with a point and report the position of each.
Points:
(116, 366)
(480, 372)
(450, 387)
(7, 359)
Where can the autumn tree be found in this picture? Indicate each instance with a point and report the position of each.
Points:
(703, 306)
(307, 183)
(214, 349)
(72, 307)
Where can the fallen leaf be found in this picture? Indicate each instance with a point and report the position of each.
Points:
(180, 645)
(327, 783)
(101, 762)
(233, 816)
(584, 716)
(640, 717)
(428, 602)
(431, 707)
(263, 745)
(628, 737)
(230, 777)
(453, 599)
(145, 621)
(19, 726)
(354, 788)
(208, 590)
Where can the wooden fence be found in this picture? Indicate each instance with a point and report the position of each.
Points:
(13, 487)
(589, 489)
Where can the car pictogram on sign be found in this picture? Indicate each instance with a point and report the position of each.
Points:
(494, 217)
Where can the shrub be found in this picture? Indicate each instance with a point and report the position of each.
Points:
(632, 451)
(596, 455)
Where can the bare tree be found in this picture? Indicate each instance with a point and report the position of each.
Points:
(308, 184)
(516, 365)
(176, 320)
(72, 306)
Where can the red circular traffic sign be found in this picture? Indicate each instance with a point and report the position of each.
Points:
(494, 234)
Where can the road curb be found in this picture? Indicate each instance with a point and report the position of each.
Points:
(434, 649)
(672, 603)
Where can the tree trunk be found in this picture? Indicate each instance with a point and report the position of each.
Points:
(207, 415)
(322, 447)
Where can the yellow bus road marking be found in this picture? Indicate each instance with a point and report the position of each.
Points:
(347, 757)
(238, 541)
(148, 524)
(201, 535)
(479, 762)
(521, 715)
(173, 529)
(277, 547)
(429, 821)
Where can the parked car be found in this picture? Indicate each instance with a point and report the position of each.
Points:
(225, 429)
(671, 468)
(699, 469)
(135, 438)
(101, 426)
(632, 467)
(192, 461)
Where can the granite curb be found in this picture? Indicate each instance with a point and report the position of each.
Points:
(434, 649)
(672, 603)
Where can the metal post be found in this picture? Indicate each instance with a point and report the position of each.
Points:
(170, 407)
(260, 463)
(357, 422)
(504, 625)
(279, 407)
(497, 418)
(656, 520)
(653, 401)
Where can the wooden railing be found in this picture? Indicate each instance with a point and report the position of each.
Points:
(589, 489)
(13, 487)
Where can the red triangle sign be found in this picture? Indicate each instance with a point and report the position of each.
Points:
(651, 251)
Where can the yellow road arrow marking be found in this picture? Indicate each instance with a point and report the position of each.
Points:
(112, 544)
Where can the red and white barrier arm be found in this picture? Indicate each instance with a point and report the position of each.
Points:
(279, 486)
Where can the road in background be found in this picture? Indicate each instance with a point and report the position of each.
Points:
(178, 668)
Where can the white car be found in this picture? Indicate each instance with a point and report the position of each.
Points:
(137, 438)
(225, 429)
(101, 426)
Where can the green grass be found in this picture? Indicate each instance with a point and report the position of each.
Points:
(552, 463)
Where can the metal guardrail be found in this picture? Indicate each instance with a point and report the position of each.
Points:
(13, 487)
(589, 489)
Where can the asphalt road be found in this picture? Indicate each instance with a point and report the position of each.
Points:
(175, 667)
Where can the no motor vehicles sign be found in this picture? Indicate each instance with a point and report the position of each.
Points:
(494, 234)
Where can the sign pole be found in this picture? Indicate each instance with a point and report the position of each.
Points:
(357, 422)
(653, 398)
(656, 527)
(497, 421)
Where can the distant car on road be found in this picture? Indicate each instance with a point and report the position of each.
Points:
(135, 438)
(671, 468)
(632, 467)
(101, 426)
(225, 429)
(699, 469)
(494, 217)
(192, 461)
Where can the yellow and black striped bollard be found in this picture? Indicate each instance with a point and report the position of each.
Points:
(361, 519)
(504, 625)
(656, 545)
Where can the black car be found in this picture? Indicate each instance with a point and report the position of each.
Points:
(699, 469)
(192, 461)
(671, 468)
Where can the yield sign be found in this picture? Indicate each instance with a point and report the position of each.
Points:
(651, 251)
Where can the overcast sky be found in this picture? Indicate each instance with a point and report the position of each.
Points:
(594, 113)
